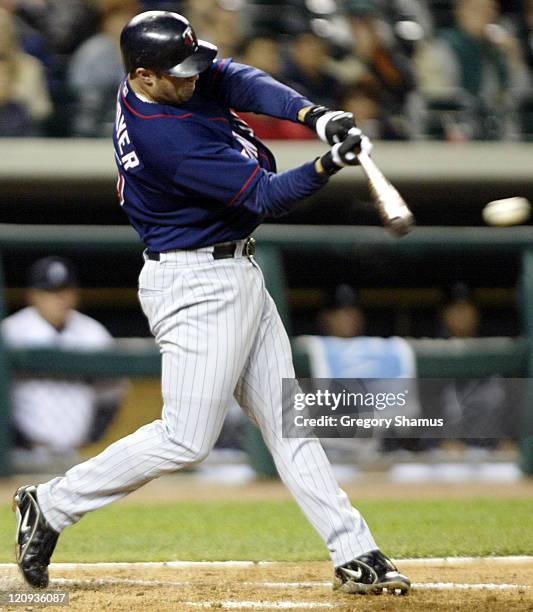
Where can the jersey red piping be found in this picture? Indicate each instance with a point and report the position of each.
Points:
(218, 69)
(160, 116)
(245, 184)
(267, 160)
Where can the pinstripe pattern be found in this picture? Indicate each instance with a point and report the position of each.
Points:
(220, 335)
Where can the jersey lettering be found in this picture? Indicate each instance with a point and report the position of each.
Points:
(126, 155)
(130, 160)
(120, 189)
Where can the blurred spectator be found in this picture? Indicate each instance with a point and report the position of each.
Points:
(377, 59)
(263, 52)
(365, 101)
(342, 317)
(27, 79)
(199, 13)
(472, 402)
(412, 21)
(525, 29)
(96, 69)
(54, 416)
(306, 69)
(14, 118)
(51, 30)
(32, 41)
(528, 33)
(64, 25)
(343, 351)
(218, 21)
(481, 58)
(460, 317)
(227, 26)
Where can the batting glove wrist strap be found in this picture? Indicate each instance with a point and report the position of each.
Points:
(331, 126)
(329, 166)
(313, 114)
(345, 153)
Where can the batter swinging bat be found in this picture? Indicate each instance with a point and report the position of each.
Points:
(393, 210)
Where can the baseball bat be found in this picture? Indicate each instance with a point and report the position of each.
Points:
(393, 210)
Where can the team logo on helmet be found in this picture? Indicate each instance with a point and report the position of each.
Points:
(189, 39)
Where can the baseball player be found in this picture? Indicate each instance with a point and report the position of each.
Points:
(53, 416)
(194, 183)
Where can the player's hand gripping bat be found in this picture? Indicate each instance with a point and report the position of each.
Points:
(393, 210)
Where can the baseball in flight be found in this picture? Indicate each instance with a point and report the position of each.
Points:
(509, 211)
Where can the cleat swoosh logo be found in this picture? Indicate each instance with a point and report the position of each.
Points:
(24, 527)
(355, 574)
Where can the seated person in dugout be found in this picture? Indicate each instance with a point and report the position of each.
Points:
(52, 416)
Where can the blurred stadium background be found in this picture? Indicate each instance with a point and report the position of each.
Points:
(445, 89)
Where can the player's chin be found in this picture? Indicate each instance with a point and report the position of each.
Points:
(187, 94)
(178, 99)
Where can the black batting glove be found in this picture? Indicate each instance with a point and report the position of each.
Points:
(346, 153)
(331, 126)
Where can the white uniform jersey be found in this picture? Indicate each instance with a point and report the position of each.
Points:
(56, 413)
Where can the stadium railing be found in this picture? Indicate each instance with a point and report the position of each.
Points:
(437, 359)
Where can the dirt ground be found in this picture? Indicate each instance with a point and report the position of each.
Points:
(494, 585)
(285, 586)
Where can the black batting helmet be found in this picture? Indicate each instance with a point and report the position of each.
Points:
(164, 42)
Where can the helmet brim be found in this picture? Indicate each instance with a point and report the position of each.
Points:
(196, 63)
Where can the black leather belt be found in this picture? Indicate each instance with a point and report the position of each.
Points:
(224, 250)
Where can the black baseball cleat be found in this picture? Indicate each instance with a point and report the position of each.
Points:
(35, 540)
(372, 572)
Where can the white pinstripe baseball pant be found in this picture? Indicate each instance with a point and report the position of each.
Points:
(220, 336)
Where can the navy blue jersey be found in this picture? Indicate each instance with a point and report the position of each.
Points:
(195, 175)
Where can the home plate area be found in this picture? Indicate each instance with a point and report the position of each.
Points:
(438, 584)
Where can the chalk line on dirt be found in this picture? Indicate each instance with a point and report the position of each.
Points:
(440, 586)
(449, 561)
(259, 605)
